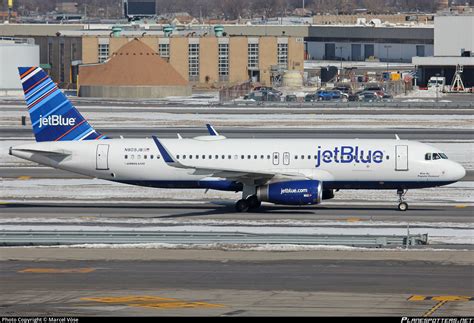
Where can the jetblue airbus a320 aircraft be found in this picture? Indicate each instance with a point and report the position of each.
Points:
(279, 171)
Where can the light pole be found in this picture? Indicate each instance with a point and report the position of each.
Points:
(387, 47)
(437, 86)
(340, 57)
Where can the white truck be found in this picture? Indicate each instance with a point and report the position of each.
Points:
(437, 81)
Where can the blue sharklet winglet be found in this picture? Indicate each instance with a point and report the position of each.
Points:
(167, 156)
(211, 130)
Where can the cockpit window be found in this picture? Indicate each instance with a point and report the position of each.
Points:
(435, 156)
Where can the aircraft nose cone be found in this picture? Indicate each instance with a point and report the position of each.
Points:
(458, 172)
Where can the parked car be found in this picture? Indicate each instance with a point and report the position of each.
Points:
(291, 98)
(387, 97)
(266, 89)
(343, 88)
(369, 96)
(375, 88)
(263, 95)
(332, 95)
(310, 98)
(353, 97)
(323, 95)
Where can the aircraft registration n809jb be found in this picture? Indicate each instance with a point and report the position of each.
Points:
(279, 171)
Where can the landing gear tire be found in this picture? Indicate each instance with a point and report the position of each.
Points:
(242, 206)
(254, 203)
(403, 206)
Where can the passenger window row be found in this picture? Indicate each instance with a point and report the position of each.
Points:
(255, 157)
(222, 157)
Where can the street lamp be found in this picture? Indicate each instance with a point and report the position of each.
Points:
(340, 56)
(387, 47)
(437, 86)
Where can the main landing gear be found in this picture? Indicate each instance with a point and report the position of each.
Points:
(250, 203)
(402, 205)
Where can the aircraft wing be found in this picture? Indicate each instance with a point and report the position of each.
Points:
(228, 173)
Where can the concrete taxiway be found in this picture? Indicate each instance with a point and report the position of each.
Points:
(346, 211)
(234, 285)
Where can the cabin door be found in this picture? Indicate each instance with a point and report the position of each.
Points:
(102, 161)
(401, 155)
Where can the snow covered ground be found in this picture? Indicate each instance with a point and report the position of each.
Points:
(430, 93)
(445, 233)
(255, 118)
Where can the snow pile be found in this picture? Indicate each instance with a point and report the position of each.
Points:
(446, 233)
(430, 93)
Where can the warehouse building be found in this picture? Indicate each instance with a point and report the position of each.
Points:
(453, 49)
(133, 71)
(362, 42)
(14, 53)
(210, 61)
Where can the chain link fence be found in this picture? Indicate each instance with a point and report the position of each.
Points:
(234, 92)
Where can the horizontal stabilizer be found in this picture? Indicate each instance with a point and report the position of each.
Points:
(43, 152)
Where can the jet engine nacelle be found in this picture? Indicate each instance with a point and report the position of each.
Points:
(301, 192)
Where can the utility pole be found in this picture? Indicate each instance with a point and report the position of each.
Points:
(10, 8)
(437, 86)
(340, 57)
(387, 47)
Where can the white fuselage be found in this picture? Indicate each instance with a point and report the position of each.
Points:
(338, 163)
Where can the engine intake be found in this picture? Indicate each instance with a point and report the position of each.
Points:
(303, 192)
(328, 194)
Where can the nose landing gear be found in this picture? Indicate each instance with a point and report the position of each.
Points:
(402, 205)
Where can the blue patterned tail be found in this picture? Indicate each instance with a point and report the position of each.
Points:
(53, 116)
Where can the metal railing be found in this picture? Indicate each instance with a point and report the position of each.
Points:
(26, 238)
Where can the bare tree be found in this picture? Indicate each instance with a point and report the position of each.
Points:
(232, 9)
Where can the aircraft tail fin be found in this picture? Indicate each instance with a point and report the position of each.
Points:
(52, 115)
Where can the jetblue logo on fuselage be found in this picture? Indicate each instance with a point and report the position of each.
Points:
(348, 154)
(55, 120)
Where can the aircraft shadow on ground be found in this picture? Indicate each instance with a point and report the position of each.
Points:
(220, 208)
